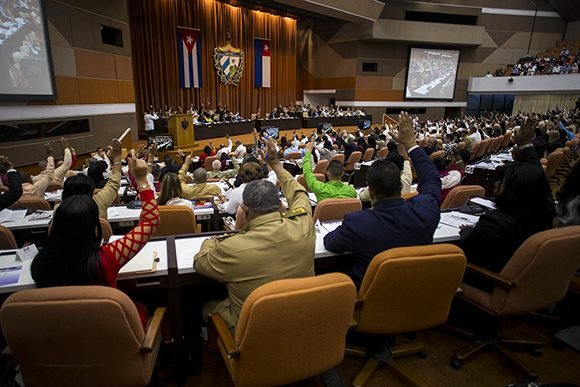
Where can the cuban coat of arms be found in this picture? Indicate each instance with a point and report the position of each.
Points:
(229, 63)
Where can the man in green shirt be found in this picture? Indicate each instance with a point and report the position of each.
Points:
(334, 188)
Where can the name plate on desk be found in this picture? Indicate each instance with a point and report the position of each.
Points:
(26, 253)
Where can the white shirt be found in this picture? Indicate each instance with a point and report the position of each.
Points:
(240, 151)
(476, 136)
(227, 150)
(149, 124)
(231, 207)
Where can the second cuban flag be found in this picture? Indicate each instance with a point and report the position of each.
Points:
(189, 57)
(262, 63)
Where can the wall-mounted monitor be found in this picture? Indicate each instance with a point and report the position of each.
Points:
(25, 60)
(431, 73)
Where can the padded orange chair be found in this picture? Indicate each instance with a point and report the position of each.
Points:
(368, 155)
(335, 209)
(482, 151)
(529, 282)
(176, 220)
(475, 149)
(240, 218)
(383, 152)
(106, 230)
(32, 202)
(506, 139)
(207, 164)
(552, 162)
(338, 157)
(409, 195)
(405, 289)
(352, 160)
(438, 155)
(314, 315)
(461, 194)
(302, 180)
(80, 336)
(294, 156)
(7, 240)
(321, 166)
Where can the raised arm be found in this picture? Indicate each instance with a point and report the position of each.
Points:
(314, 184)
(61, 171)
(42, 182)
(14, 184)
(107, 196)
(187, 191)
(294, 192)
(122, 250)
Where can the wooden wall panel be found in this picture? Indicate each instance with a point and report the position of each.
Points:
(124, 67)
(89, 90)
(68, 91)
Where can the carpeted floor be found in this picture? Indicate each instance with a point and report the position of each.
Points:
(486, 369)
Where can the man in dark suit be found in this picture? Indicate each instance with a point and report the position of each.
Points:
(14, 191)
(391, 222)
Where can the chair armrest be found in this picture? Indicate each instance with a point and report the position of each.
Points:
(224, 335)
(153, 330)
(490, 275)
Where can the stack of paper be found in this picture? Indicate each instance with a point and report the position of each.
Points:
(7, 215)
(458, 219)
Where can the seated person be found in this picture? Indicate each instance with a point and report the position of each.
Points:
(73, 255)
(38, 186)
(200, 188)
(97, 171)
(392, 222)
(249, 171)
(11, 196)
(170, 166)
(334, 188)
(207, 152)
(272, 246)
(217, 173)
(171, 193)
(240, 151)
(451, 173)
(81, 184)
(66, 163)
(404, 165)
(523, 207)
(568, 207)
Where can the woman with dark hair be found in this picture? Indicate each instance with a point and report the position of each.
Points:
(568, 207)
(96, 172)
(523, 208)
(171, 192)
(73, 255)
(208, 151)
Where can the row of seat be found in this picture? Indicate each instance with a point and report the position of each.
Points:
(480, 149)
(404, 290)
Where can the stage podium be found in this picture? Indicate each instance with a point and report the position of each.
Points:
(181, 128)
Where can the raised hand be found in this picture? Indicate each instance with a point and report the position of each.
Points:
(140, 171)
(525, 133)
(6, 163)
(406, 135)
(271, 152)
(48, 148)
(116, 150)
(64, 143)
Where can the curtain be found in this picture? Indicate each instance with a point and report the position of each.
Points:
(542, 103)
(153, 26)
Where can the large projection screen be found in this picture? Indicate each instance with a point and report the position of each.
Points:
(431, 73)
(25, 59)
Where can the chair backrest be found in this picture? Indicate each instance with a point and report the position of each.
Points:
(482, 148)
(7, 241)
(175, 220)
(541, 269)
(409, 288)
(321, 166)
(368, 155)
(475, 149)
(409, 195)
(53, 186)
(240, 218)
(461, 194)
(554, 160)
(302, 180)
(63, 336)
(383, 152)
(207, 164)
(106, 230)
(338, 157)
(294, 156)
(314, 313)
(352, 159)
(33, 202)
(335, 209)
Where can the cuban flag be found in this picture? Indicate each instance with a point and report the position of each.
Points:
(188, 43)
(262, 50)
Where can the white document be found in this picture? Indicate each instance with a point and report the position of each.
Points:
(330, 226)
(458, 219)
(483, 202)
(113, 212)
(26, 253)
(7, 215)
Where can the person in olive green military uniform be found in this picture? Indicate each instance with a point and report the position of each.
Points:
(272, 245)
(217, 173)
(200, 188)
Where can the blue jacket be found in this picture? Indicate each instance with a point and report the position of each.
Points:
(391, 223)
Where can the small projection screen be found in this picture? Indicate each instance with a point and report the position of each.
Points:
(431, 73)
(26, 63)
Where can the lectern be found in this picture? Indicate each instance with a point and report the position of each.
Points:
(181, 128)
